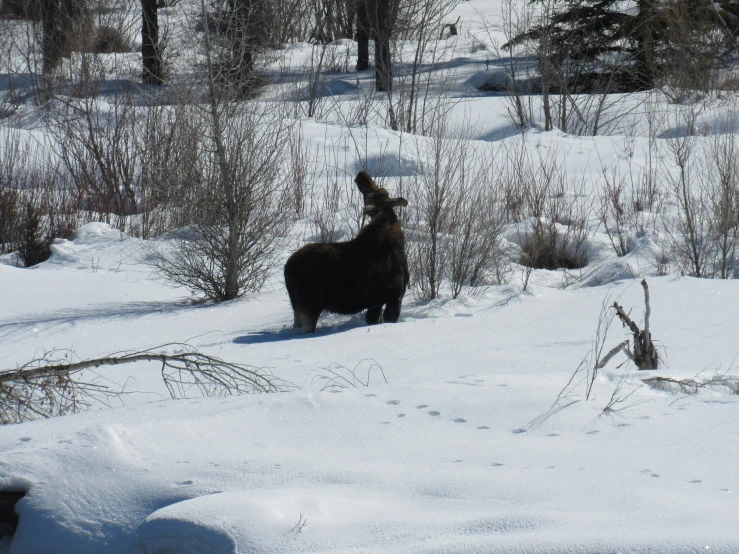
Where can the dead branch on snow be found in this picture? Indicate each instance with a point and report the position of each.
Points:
(644, 354)
(53, 385)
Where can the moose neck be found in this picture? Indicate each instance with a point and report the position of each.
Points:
(386, 217)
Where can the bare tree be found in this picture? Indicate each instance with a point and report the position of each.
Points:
(239, 198)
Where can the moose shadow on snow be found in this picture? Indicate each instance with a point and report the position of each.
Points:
(291, 333)
(333, 324)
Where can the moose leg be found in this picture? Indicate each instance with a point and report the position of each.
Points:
(296, 319)
(392, 309)
(308, 321)
(373, 314)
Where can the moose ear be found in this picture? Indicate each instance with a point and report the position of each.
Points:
(365, 184)
(369, 209)
(397, 202)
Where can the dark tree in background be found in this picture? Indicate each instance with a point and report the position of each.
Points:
(64, 24)
(587, 33)
(385, 15)
(376, 19)
(52, 40)
(363, 34)
(151, 55)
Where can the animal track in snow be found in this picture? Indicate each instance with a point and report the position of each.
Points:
(394, 402)
(422, 406)
(434, 413)
(460, 420)
(481, 427)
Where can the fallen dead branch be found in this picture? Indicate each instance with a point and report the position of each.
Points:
(695, 384)
(53, 385)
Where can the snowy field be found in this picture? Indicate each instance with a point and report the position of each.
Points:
(460, 429)
(459, 450)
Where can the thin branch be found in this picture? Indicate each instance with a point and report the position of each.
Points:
(615, 350)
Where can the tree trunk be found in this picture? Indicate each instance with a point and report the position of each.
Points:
(242, 61)
(152, 60)
(383, 27)
(52, 40)
(646, 58)
(363, 35)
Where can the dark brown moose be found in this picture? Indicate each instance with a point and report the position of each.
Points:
(366, 272)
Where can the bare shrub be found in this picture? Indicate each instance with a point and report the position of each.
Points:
(126, 163)
(705, 189)
(325, 217)
(237, 204)
(413, 106)
(456, 217)
(722, 172)
(35, 205)
(166, 142)
(552, 212)
(108, 40)
(629, 206)
(476, 253)
(432, 202)
(98, 149)
(301, 159)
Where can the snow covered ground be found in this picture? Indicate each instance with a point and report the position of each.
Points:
(451, 434)
(461, 450)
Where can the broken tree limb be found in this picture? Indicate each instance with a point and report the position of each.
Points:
(53, 384)
(607, 358)
(647, 312)
(644, 354)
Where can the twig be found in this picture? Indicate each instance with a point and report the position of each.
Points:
(299, 525)
(335, 379)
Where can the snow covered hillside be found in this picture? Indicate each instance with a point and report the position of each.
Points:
(477, 423)
(459, 448)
